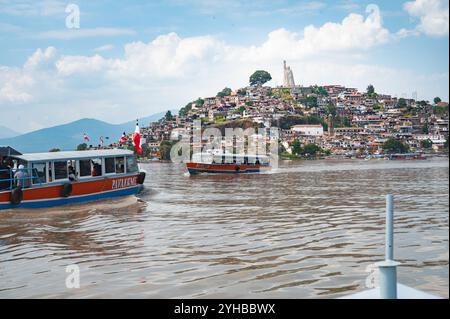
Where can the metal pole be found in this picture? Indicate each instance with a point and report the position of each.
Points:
(388, 267)
(389, 227)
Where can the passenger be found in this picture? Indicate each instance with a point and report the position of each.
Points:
(96, 169)
(21, 177)
(5, 175)
(72, 174)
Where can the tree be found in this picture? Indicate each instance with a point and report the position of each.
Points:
(241, 92)
(82, 147)
(395, 146)
(199, 102)
(426, 143)
(169, 116)
(185, 110)
(224, 92)
(370, 90)
(425, 129)
(241, 109)
(164, 149)
(260, 77)
(331, 110)
(311, 101)
(54, 150)
(401, 103)
(296, 147)
(311, 149)
(437, 100)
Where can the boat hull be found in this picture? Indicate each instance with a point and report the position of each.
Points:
(82, 191)
(197, 168)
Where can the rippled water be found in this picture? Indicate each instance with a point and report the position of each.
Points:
(309, 229)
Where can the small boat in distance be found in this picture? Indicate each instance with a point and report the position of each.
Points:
(59, 178)
(228, 163)
(407, 156)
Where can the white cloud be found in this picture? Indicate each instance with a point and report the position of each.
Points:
(69, 34)
(170, 70)
(32, 8)
(433, 16)
(103, 48)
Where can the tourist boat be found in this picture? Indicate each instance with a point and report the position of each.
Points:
(228, 163)
(406, 156)
(58, 178)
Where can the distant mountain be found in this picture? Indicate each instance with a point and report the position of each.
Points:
(67, 136)
(6, 132)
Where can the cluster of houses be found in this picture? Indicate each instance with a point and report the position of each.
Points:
(338, 119)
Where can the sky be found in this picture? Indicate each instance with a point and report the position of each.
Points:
(131, 59)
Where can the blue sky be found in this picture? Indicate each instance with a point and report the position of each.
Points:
(137, 58)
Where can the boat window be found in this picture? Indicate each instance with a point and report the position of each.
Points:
(109, 165)
(132, 166)
(96, 167)
(85, 168)
(60, 170)
(39, 173)
(120, 165)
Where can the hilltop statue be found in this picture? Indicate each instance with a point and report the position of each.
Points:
(288, 76)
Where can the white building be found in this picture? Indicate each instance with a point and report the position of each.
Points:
(308, 129)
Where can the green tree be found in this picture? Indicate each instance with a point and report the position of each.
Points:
(185, 110)
(82, 147)
(164, 149)
(311, 101)
(241, 92)
(426, 143)
(199, 102)
(260, 77)
(437, 100)
(395, 146)
(331, 110)
(401, 103)
(168, 116)
(296, 147)
(311, 149)
(425, 129)
(370, 90)
(241, 109)
(224, 92)
(146, 150)
(52, 150)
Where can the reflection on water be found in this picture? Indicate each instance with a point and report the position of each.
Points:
(306, 230)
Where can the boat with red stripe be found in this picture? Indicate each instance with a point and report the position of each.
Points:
(51, 179)
(228, 163)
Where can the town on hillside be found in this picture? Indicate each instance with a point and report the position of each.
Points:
(329, 120)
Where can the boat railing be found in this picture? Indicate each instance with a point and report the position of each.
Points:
(8, 181)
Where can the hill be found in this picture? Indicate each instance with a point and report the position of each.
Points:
(68, 136)
(6, 132)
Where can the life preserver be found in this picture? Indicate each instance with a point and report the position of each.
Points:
(141, 178)
(66, 190)
(16, 196)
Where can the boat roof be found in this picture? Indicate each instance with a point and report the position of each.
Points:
(52, 156)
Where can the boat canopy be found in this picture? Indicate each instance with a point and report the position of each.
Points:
(8, 151)
(72, 155)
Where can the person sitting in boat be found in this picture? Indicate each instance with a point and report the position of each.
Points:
(96, 169)
(21, 177)
(5, 172)
(72, 174)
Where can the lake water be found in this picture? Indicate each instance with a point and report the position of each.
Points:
(310, 229)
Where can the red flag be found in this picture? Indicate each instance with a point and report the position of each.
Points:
(85, 137)
(137, 139)
(123, 138)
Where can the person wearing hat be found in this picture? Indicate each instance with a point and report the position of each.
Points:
(21, 177)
